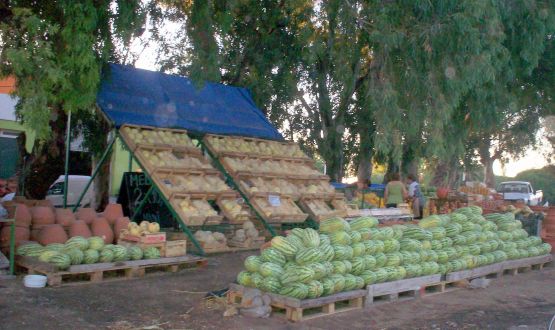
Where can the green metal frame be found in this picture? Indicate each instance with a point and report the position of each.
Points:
(153, 188)
(236, 186)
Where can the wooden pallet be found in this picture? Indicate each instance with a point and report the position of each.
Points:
(488, 271)
(102, 272)
(300, 310)
(398, 290)
(442, 287)
(514, 267)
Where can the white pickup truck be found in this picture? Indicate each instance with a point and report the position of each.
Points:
(520, 191)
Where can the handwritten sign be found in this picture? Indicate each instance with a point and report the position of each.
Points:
(274, 200)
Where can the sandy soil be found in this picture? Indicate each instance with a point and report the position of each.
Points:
(176, 301)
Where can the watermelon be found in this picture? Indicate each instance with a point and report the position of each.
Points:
(359, 282)
(308, 256)
(91, 256)
(355, 236)
(340, 238)
(522, 254)
(432, 256)
(339, 282)
(392, 274)
(268, 269)
(442, 257)
(78, 242)
(394, 259)
(368, 276)
(296, 241)
(452, 229)
(106, 255)
(410, 244)
(294, 290)
(430, 222)
(244, 278)
(365, 233)
(381, 259)
(451, 253)
(343, 252)
(150, 253)
(332, 225)
(96, 243)
(57, 247)
(120, 253)
(339, 267)
(413, 270)
(474, 249)
(532, 251)
(358, 249)
(358, 265)
(373, 246)
(324, 239)
(270, 284)
(446, 242)
(545, 248)
(457, 217)
(381, 275)
(398, 231)
(284, 246)
(387, 233)
(310, 237)
(300, 274)
(363, 223)
(436, 244)
(297, 232)
(328, 253)
(315, 289)
(369, 262)
(135, 253)
(437, 233)
(75, 255)
(459, 240)
(376, 234)
(320, 270)
(273, 255)
(47, 255)
(328, 286)
(257, 280)
(28, 249)
(391, 245)
(417, 233)
(350, 282)
(329, 267)
(471, 236)
(61, 260)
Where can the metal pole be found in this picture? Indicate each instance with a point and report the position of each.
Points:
(95, 172)
(66, 169)
(130, 164)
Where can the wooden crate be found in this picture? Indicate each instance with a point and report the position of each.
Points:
(193, 220)
(234, 219)
(175, 248)
(146, 238)
(161, 246)
(517, 266)
(276, 216)
(133, 145)
(247, 243)
(300, 310)
(208, 142)
(109, 271)
(307, 205)
(168, 181)
(398, 290)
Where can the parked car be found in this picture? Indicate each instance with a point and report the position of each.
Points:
(520, 191)
(76, 186)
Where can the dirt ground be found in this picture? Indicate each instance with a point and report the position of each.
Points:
(176, 301)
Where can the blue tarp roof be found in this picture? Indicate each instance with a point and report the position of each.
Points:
(140, 97)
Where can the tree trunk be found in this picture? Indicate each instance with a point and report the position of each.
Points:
(333, 154)
(364, 168)
(409, 161)
(392, 167)
(487, 161)
(46, 163)
(102, 179)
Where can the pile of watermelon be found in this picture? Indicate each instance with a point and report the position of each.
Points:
(344, 256)
(79, 250)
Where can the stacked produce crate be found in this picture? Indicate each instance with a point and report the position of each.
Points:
(275, 175)
(194, 188)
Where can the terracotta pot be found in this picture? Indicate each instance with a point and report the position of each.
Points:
(21, 234)
(86, 214)
(35, 233)
(112, 212)
(22, 215)
(52, 234)
(79, 228)
(442, 192)
(121, 223)
(101, 227)
(64, 217)
(43, 215)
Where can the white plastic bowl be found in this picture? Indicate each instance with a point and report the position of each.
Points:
(34, 281)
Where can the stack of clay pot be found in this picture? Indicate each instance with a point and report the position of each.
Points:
(22, 216)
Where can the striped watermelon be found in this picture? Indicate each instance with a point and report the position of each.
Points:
(381, 275)
(376, 234)
(343, 252)
(363, 222)
(340, 238)
(294, 290)
(358, 265)
(324, 239)
(355, 236)
(328, 286)
(387, 232)
(365, 233)
(328, 253)
(410, 244)
(268, 269)
(369, 277)
(413, 270)
(381, 259)
(315, 289)
(333, 225)
(273, 255)
(359, 249)
(452, 229)
(339, 282)
(339, 267)
(296, 241)
(311, 238)
(369, 261)
(394, 259)
(270, 284)
(438, 233)
(308, 256)
(391, 245)
(245, 279)
(257, 280)
(284, 246)
(320, 270)
(300, 274)
(350, 282)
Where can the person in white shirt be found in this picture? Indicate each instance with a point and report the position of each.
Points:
(415, 194)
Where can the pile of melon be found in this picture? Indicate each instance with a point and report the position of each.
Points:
(79, 250)
(345, 255)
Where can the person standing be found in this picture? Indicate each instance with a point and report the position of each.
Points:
(395, 191)
(416, 196)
